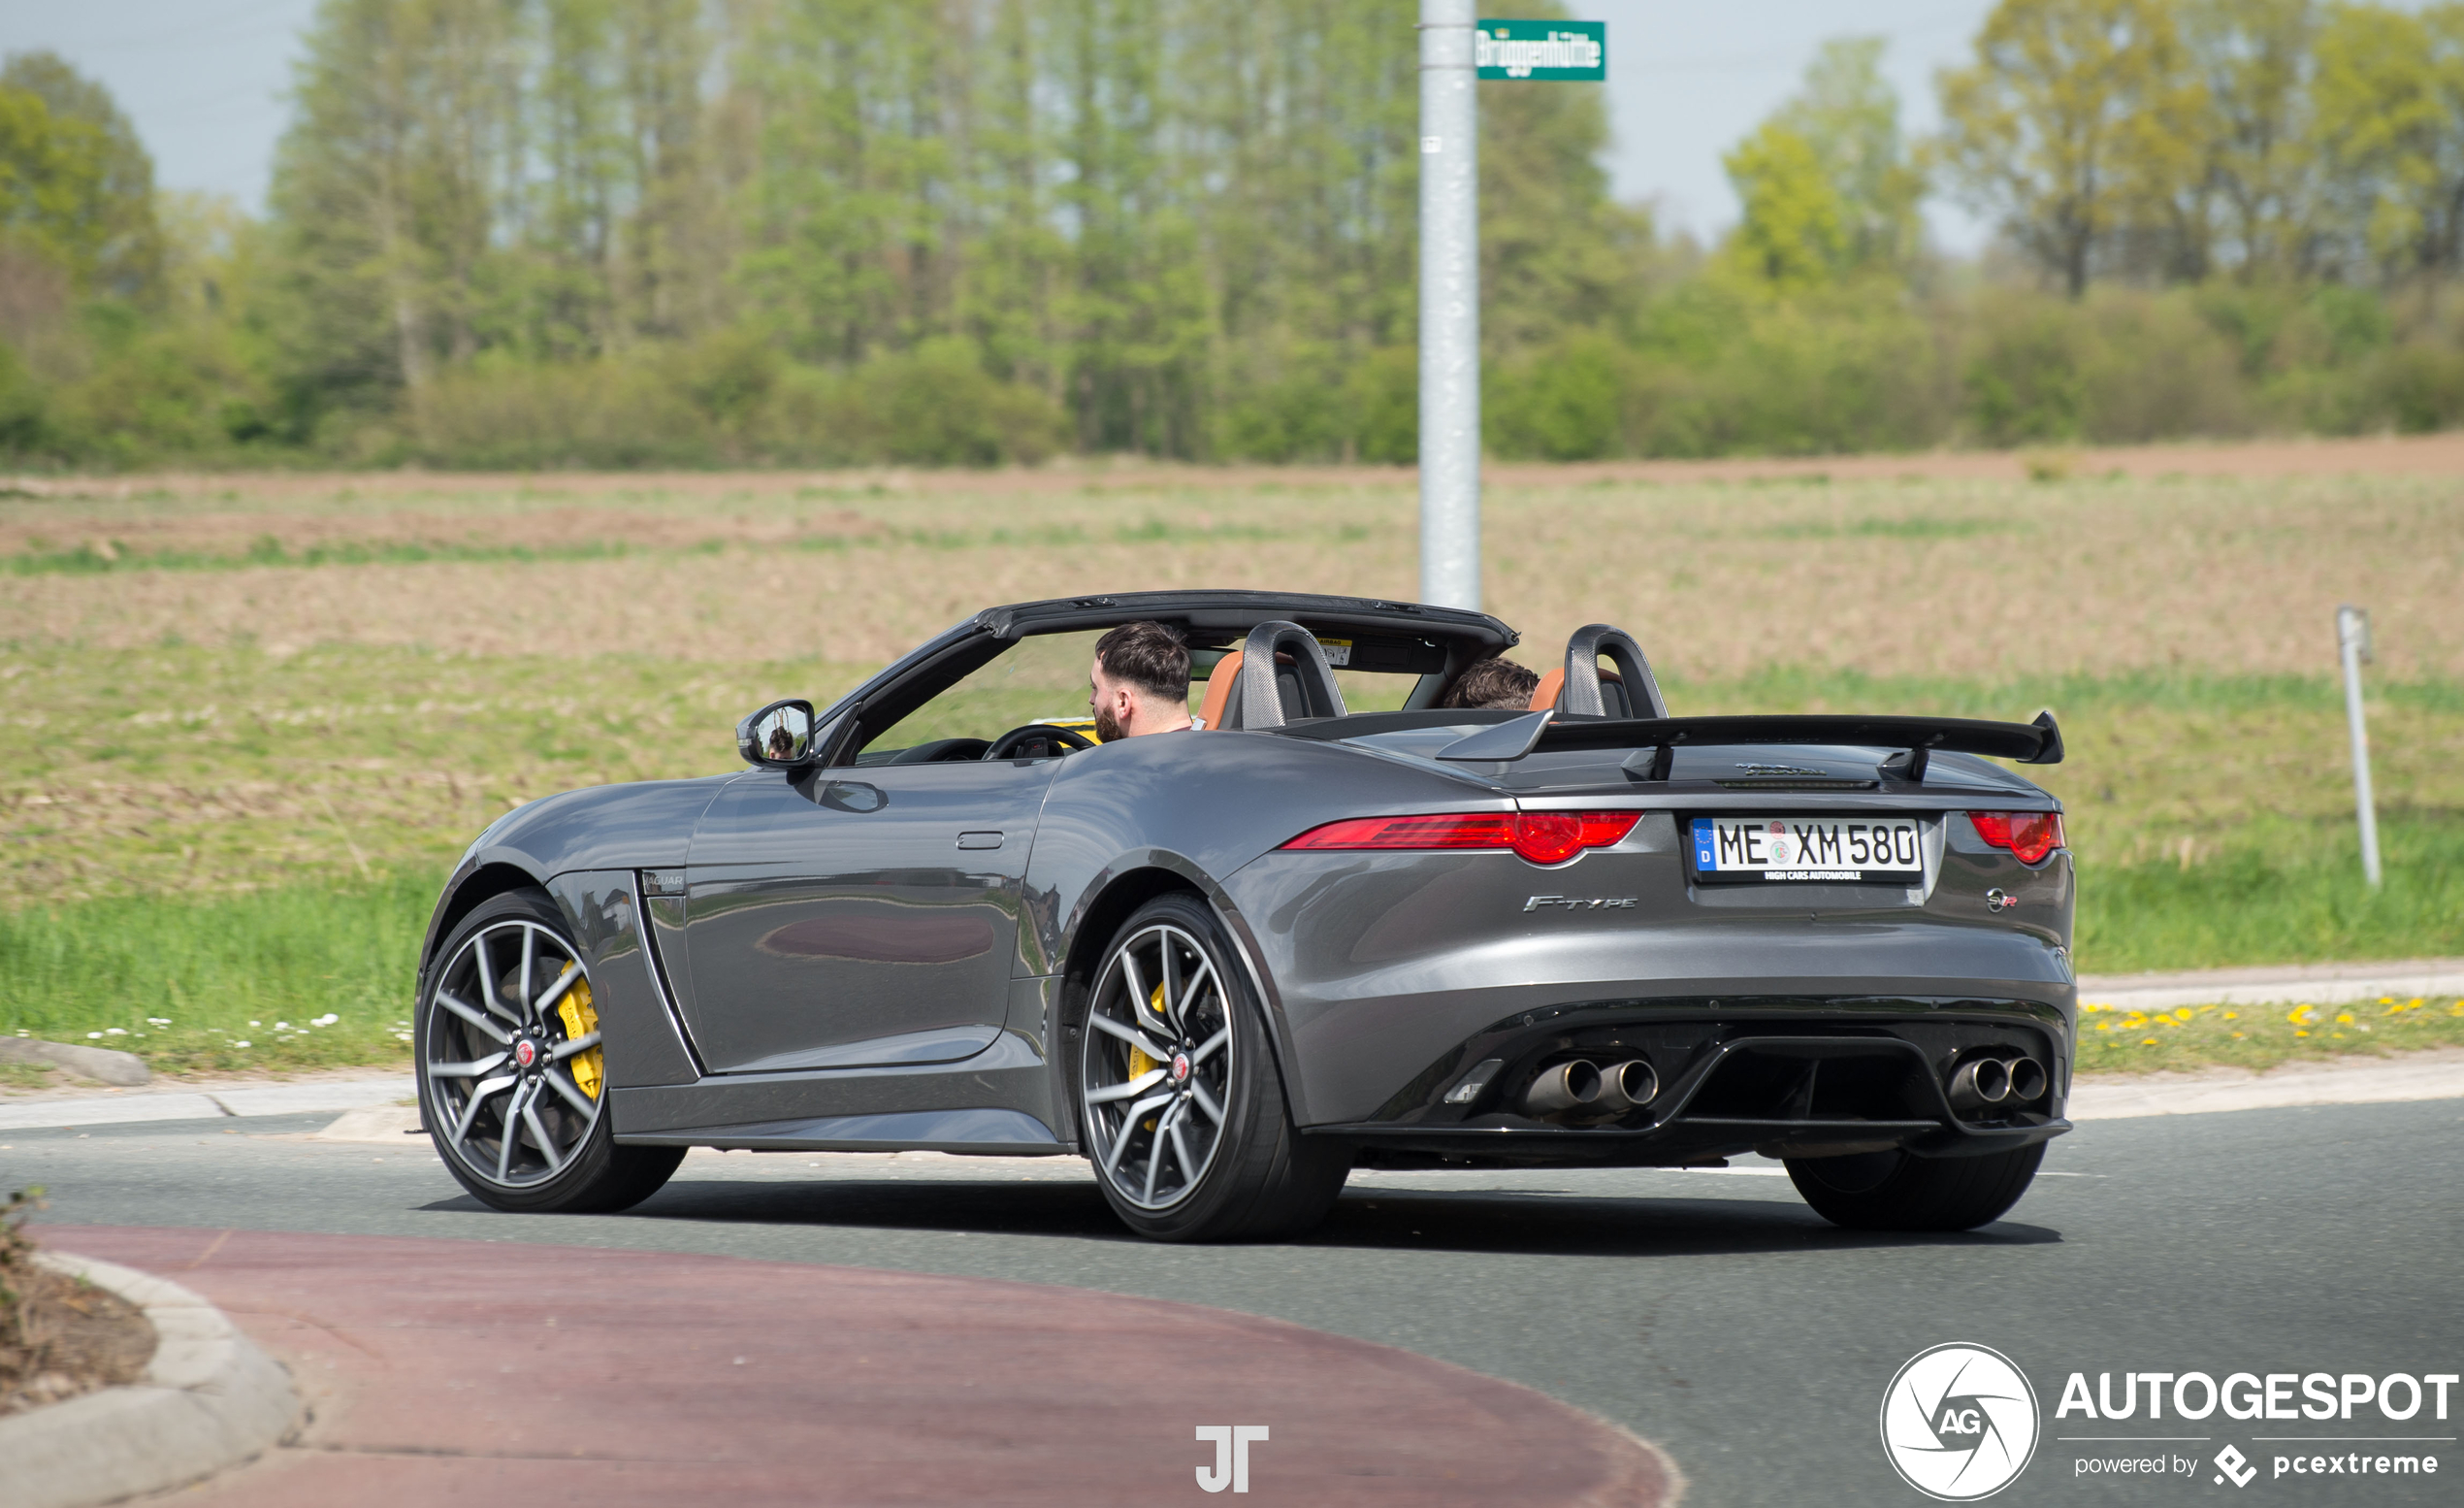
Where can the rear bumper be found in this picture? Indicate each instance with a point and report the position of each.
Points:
(1699, 1142)
(1799, 1077)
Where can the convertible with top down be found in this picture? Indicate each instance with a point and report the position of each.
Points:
(1228, 965)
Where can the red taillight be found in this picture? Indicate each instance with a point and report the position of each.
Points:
(1539, 836)
(2030, 835)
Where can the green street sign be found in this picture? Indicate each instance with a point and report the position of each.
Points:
(1557, 52)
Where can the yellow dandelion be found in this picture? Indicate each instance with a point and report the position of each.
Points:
(2387, 1000)
(2233, 1015)
(2149, 1042)
(2104, 1025)
(2344, 1018)
(2417, 1003)
(2183, 1014)
(2237, 1036)
(2301, 1033)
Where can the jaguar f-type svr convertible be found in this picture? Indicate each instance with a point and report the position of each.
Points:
(1228, 965)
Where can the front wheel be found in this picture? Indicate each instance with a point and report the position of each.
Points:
(1899, 1190)
(512, 1076)
(1181, 1105)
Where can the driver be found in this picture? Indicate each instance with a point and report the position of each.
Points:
(1140, 682)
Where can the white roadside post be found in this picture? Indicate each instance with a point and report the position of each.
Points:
(1450, 306)
(2353, 636)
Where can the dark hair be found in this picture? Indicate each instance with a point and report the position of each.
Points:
(1497, 682)
(1149, 656)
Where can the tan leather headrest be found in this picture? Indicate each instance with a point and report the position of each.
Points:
(1220, 680)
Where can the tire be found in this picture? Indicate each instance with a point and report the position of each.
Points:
(1203, 1148)
(1897, 1191)
(510, 979)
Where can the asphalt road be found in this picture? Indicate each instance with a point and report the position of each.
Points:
(1708, 1312)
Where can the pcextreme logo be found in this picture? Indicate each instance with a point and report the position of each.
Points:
(1959, 1421)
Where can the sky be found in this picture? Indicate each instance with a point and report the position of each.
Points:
(204, 80)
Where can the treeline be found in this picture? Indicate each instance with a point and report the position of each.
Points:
(623, 232)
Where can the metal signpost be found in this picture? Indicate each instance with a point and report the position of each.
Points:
(2352, 638)
(1457, 48)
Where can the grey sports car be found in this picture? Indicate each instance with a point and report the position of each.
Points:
(1226, 967)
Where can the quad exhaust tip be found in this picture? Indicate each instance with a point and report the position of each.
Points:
(1627, 1086)
(1568, 1086)
(1584, 1088)
(1984, 1083)
(2028, 1080)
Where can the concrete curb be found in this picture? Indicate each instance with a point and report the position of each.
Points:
(105, 1064)
(208, 1105)
(2318, 984)
(209, 1400)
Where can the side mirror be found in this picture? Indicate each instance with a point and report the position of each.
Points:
(779, 736)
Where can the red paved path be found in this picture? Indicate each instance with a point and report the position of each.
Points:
(484, 1372)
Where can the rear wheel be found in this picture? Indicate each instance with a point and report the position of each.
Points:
(1899, 1190)
(512, 1077)
(1181, 1108)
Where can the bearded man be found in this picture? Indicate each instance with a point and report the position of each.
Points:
(1140, 682)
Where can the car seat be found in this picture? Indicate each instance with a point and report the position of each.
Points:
(1222, 684)
(1583, 689)
(1278, 676)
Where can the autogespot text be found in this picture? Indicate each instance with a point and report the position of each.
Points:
(2342, 1398)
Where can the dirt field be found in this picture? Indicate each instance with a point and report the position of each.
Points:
(1720, 573)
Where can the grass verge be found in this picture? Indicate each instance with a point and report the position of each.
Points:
(2279, 890)
(290, 978)
(2113, 1041)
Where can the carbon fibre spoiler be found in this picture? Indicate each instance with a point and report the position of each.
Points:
(2038, 743)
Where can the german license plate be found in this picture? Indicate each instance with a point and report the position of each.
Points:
(1760, 850)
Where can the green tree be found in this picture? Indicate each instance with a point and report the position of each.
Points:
(74, 180)
(2077, 118)
(394, 184)
(861, 176)
(1849, 114)
(2389, 105)
(2255, 59)
(1795, 231)
(1557, 254)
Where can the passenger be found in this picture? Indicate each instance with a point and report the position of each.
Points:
(1140, 682)
(1494, 684)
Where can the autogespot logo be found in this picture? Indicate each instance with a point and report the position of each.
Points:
(1960, 1421)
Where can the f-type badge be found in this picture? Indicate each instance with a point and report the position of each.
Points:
(1579, 904)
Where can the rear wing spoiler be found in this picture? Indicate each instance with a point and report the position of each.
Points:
(2038, 743)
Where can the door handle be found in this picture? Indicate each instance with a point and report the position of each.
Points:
(979, 839)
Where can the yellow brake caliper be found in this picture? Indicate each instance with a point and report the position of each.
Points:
(1139, 1062)
(589, 1067)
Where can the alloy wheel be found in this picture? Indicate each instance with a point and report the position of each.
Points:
(1155, 1073)
(516, 1075)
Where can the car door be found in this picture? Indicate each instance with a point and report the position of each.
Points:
(859, 915)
